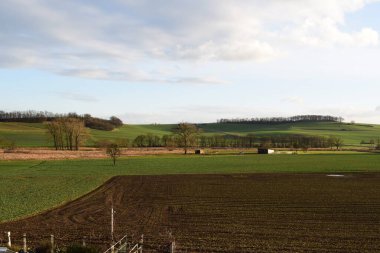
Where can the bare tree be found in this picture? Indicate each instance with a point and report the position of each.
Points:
(79, 133)
(55, 133)
(114, 152)
(186, 135)
(67, 133)
(331, 142)
(338, 142)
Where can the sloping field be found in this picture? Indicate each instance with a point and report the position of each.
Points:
(33, 134)
(29, 187)
(222, 213)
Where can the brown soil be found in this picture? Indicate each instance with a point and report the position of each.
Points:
(222, 213)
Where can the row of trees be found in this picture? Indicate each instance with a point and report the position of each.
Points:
(70, 133)
(187, 135)
(27, 116)
(279, 120)
(184, 135)
(40, 117)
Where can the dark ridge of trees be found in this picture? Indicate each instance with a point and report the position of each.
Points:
(97, 123)
(236, 141)
(28, 116)
(274, 141)
(280, 120)
(40, 117)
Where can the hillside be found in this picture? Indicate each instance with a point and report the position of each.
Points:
(34, 134)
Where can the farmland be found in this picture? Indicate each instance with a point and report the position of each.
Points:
(282, 212)
(44, 184)
(34, 134)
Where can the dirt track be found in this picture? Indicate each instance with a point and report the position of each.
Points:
(223, 213)
(84, 153)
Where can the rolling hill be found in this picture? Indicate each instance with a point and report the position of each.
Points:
(34, 134)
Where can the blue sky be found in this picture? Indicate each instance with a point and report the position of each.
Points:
(198, 61)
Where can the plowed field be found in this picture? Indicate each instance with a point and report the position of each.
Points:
(222, 213)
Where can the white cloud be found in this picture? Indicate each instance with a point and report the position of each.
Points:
(195, 80)
(293, 100)
(77, 96)
(326, 33)
(234, 51)
(85, 39)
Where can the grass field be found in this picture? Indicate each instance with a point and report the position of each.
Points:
(28, 187)
(33, 134)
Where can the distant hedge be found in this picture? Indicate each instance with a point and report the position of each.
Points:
(279, 120)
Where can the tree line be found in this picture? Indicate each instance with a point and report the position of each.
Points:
(236, 141)
(280, 120)
(31, 116)
(188, 135)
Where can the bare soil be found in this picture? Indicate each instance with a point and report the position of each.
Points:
(84, 153)
(221, 213)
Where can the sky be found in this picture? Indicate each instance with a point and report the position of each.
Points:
(169, 61)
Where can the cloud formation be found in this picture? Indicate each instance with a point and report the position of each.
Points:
(294, 100)
(124, 39)
(77, 97)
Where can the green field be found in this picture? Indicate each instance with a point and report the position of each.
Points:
(34, 135)
(28, 187)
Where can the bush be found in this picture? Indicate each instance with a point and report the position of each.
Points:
(7, 145)
(103, 143)
(116, 121)
(123, 143)
(44, 247)
(81, 249)
(99, 124)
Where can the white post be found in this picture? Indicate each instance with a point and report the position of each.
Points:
(9, 240)
(52, 243)
(112, 224)
(141, 243)
(112, 228)
(24, 242)
(172, 247)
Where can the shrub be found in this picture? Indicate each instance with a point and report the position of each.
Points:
(44, 247)
(81, 249)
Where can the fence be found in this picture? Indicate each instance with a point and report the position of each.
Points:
(122, 246)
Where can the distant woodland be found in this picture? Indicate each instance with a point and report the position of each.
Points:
(281, 120)
(40, 117)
